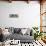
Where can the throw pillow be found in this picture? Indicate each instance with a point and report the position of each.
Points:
(17, 30)
(23, 31)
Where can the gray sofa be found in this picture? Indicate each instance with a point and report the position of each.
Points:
(22, 38)
(17, 35)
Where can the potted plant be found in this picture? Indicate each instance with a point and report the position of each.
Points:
(37, 33)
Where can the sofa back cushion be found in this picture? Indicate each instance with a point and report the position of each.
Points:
(23, 31)
(11, 30)
(17, 30)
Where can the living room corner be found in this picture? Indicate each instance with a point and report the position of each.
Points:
(22, 23)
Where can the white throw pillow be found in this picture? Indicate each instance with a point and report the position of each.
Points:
(23, 31)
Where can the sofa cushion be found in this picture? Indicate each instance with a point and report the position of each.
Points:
(11, 30)
(17, 30)
(23, 31)
(28, 31)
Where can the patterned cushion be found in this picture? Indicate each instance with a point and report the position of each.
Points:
(11, 30)
(17, 30)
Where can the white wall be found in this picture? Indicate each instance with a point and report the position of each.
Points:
(29, 14)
